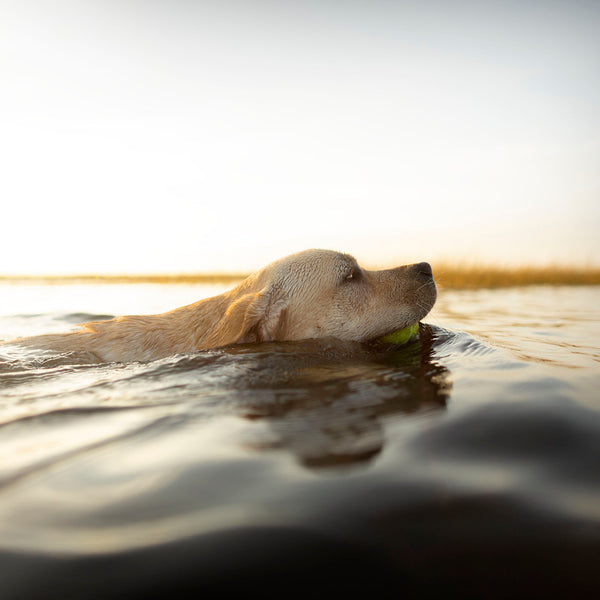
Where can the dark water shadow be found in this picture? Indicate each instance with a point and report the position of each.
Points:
(460, 506)
(325, 401)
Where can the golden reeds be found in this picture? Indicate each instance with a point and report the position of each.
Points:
(480, 276)
(176, 278)
(457, 276)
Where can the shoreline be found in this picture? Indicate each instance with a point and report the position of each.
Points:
(446, 276)
(480, 276)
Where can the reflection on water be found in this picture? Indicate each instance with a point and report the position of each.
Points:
(554, 325)
(467, 460)
(325, 402)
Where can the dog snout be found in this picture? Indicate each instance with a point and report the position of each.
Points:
(422, 269)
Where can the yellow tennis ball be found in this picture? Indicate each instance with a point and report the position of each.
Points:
(401, 336)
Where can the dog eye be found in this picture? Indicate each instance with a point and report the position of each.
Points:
(351, 274)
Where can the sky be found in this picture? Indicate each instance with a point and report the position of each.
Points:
(141, 136)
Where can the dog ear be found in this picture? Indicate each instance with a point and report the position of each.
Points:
(272, 325)
(255, 317)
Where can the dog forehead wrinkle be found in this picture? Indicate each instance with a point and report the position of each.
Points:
(296, 271)
(313, 257)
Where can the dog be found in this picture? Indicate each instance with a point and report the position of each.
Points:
(310, 294)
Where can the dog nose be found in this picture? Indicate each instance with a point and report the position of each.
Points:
(423, 268)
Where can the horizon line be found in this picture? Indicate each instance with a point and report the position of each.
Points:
(459, 276)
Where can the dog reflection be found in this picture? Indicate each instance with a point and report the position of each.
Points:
(330, 409)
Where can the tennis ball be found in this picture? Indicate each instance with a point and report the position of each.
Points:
(401, 336)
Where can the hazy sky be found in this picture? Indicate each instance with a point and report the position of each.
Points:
(182, 135)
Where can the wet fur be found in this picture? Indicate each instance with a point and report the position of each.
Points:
(311, 294)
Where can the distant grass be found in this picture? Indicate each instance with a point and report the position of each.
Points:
(455, 276)
(185, 278)
(480, 276)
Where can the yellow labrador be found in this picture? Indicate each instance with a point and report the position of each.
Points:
(311, 294)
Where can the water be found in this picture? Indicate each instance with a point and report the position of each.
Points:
(467, 462)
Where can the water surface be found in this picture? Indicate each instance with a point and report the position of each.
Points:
(468, 460)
